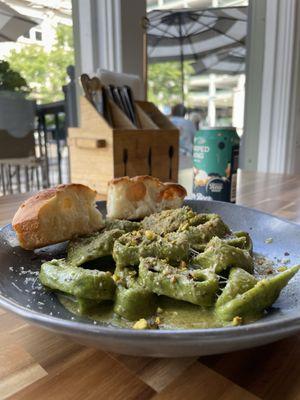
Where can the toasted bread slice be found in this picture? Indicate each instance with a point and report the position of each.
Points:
(138, 197)
(57, 214)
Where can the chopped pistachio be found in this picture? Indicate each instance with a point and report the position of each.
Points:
(269, 240)
(183, 227)
(150, 235)
(237, 321)
(190, 214)
(282, 268)
(141, 324)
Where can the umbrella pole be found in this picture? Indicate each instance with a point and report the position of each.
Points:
(144, 23)
(181, 58)
(182, 73)
(145, 67)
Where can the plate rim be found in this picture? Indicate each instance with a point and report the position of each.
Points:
(76, 327)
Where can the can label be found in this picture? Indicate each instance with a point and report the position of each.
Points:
(216, 154)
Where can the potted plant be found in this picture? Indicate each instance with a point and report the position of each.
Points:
(12, 83)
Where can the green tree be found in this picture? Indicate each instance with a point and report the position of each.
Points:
(164, 82)
(45, 72)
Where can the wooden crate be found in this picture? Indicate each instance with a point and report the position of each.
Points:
(99, 152)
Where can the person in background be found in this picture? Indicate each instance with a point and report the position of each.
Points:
(196, 119)
(187, 132)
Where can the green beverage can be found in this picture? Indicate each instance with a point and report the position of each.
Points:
(215, 159)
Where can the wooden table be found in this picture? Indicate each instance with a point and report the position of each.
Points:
(36, 364)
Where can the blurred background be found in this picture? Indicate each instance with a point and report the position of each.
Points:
(243, 72)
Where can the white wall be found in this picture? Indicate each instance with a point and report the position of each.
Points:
(254, 76)
(293, 142)
(272, 123)
(108, 34)
(278, 109)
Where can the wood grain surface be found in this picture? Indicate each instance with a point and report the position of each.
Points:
(36, 364)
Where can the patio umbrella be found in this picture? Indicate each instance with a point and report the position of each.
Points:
(13, 24)
(178, 35)
(224, 61)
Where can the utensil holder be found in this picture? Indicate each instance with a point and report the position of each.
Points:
(99, 152)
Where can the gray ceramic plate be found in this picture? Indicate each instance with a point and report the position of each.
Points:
(21, 293)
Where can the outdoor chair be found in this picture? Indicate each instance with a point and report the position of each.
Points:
(21, 170)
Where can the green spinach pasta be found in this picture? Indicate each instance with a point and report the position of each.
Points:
(173, 269)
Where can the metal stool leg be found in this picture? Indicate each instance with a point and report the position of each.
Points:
(3, 180)
(10, 188)
(32, 178)
(27, 179)
(37, 178)
(18, 178)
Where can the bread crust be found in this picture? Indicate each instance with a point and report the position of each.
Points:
(173, 190)
(132, 198)
(168, 189)
(28, 220)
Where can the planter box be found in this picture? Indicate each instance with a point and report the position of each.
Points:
(16, 125)
(16, 114)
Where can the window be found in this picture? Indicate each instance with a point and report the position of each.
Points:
(152, 3)
(26, 35)
(38, 36)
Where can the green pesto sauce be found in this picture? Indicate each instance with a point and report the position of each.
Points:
(174, 314)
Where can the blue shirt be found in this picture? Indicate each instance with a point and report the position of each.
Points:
(187, 132)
